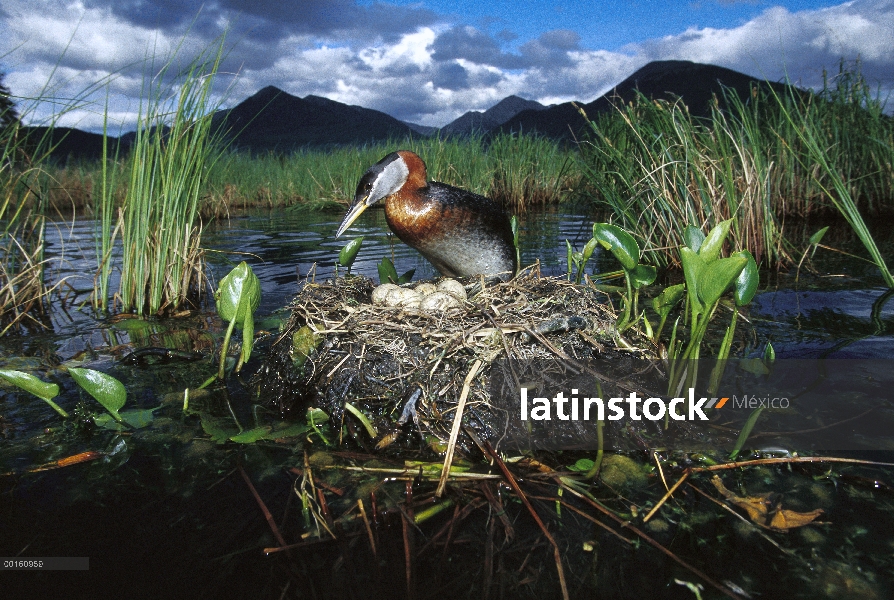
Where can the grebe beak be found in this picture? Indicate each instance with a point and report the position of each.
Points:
(356, 210)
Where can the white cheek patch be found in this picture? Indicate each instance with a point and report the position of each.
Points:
(391, 179)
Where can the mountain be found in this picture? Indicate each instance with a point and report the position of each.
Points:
(275, 120)
(695, 83)
(496, 115)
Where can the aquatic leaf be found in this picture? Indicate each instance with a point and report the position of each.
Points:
(387, 272)
(237, 298)
(817, 237)
(753, 365)
(643, 275)
(757, 507)
(746, 282)
(669, 297)
(316, 416)
(582, 465)
(105, 389)
(569, 257)
(693, 265)
(693, 237)
(349, 252)
(589, 248)
(304, 343)
(746, 431)
(710, 248)
(621, 244)
(769, 353)
(406, 277)
(238, 295)
(789, 519)
(30, 383)
(717, 277)
(136, 419)
(513, 224)
(250, 436)
(215, 427)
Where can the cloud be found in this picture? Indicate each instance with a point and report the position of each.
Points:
(404, 60)
(800, 44)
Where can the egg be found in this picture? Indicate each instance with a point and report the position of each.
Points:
(454, 288)
(380, 294)
(403, 297)
(439, 301)
(425, 289)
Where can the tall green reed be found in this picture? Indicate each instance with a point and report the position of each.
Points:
(757, 159)
(162, 264)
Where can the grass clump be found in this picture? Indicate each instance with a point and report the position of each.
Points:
(162, 260)
(757, 159)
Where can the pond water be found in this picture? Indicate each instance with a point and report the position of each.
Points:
(166, 513)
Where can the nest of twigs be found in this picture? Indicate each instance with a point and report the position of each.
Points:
(406, 368)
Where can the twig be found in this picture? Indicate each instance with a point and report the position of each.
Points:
(369, 531)
(521, 495)
(267, 515)
(790, 459)
(669, 493)
(454, 432)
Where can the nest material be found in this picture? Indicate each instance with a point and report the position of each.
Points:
(380, 358)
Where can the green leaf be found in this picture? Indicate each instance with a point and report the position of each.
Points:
(387, 272)
(693, 265)
(643, 275)
(137, 419)
(746, 283)
(582, 465)
(30, 383)
(316, 416)
(217, 428)
(250, 436)
(238, 295)
(589, 249)
(669, 297)
(569, 257)
(817, 237)
(513, 224)
(710, 248)
(349, 252)
(619, 242)
(406, 277)
(237, 298)
(769, 353)
(753, 365)
(105, 389)
(43, 390)
(718, 277)
(693, 237)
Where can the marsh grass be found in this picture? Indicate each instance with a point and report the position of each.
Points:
(761, 159)
(162, 262)
(519, 171)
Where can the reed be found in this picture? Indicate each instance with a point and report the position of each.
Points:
(162, 262)
(758, 160)
(518, 170)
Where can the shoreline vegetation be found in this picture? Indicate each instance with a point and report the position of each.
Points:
(650, 165)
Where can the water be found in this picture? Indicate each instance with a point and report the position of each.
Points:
(165, 514)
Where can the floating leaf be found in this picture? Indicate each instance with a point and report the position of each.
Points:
(582, 465)
(250, 436)
(136, 419)
(30, 383)
(621, 244)
(218, 429)
(758, 509)
(105, 389)
(349, 252)
(746, 282)
(754, 365)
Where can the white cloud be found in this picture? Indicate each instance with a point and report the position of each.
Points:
(428, 73)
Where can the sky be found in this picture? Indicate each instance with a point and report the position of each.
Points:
(425, 62)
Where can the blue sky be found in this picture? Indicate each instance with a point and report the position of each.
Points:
(425, 62)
